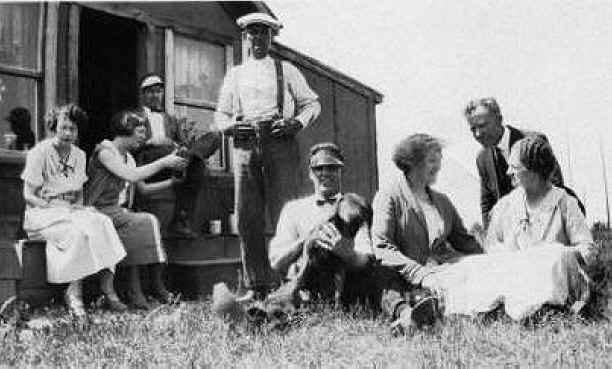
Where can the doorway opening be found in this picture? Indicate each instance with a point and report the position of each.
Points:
(107, 71)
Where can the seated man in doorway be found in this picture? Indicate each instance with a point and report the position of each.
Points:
(166, 134)
(366, 281)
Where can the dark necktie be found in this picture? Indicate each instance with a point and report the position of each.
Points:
(503, 179)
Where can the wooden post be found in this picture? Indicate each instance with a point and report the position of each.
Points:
(50, 62)
(169, 69)
(73, 53)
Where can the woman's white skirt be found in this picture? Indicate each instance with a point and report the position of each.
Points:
(80, 242)
(523, 281)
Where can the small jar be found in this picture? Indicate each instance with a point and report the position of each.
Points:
(215, 227)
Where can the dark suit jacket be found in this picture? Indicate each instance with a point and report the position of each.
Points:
(490, 187)
(400, 234)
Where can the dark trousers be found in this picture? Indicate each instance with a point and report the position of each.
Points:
(265, 177)
(381, 289)
(377, 288)
(166, 203)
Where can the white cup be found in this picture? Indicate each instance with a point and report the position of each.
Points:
(9, 140)
(215, 226)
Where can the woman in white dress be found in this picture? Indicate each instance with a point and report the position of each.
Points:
(80, 240)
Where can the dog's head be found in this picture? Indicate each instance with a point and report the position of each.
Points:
(351, 213)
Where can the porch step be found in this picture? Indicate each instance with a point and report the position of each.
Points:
(203, 248)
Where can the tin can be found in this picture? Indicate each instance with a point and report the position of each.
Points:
(215, 226)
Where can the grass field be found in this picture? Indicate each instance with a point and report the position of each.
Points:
(188, 336)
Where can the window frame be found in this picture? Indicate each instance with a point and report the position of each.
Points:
(170, 96)
(37, 74)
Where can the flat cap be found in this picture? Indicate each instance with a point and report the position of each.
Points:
(151, 80)
(326, 154)
(261, 18)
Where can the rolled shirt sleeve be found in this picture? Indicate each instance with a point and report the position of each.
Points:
(33, 170)
(307, 107)
(226, 105)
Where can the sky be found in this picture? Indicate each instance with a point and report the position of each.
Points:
(548, 64)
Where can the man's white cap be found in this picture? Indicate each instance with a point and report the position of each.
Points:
(261, 18)
(151, 80)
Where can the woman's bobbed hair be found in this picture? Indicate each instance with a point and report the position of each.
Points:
(125, 122)
(412, 150)
(536, 154)
(74, 113)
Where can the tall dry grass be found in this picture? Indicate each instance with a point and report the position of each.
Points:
(188, 336)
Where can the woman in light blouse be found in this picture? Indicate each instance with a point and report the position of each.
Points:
(80, 240)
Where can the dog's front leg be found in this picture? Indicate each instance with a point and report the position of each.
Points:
(339, 279)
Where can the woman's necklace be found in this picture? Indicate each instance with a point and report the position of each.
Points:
(64, 156)
(531, 206)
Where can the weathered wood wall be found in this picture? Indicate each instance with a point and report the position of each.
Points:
(348, 115)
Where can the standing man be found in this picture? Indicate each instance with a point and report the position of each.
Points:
(263, 103)
(486, 123)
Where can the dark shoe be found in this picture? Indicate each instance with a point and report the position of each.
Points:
(114, 304)
(138, 301)
(164, 296)
(422, 314)
(425, 312)
(256, 316)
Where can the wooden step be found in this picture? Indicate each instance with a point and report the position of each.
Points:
(205, 247)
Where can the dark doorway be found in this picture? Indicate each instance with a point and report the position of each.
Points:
(107, 70)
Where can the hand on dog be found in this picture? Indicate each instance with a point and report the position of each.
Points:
(329, 237)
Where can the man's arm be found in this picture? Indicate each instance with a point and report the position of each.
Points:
(226, 109)
(306, 100)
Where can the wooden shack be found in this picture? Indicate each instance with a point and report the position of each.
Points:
(93, 53)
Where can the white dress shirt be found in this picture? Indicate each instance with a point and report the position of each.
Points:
(249, 90)
(156, 121)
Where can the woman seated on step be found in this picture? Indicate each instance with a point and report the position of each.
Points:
(80, 240)
(110, 167)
